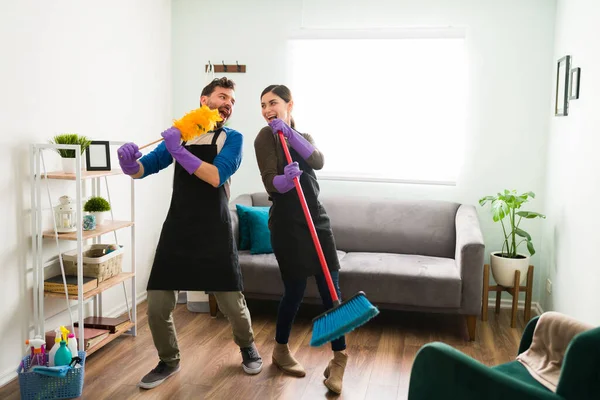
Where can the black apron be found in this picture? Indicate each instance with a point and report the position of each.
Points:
(196, 250)
(290, 236)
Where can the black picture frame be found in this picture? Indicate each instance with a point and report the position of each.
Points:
(574, 83)
(98, 156)
(562, 87)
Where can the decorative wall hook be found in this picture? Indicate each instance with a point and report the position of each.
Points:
(227, 68)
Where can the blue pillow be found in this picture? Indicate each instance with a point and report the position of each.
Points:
(260, 236)
(242, 212)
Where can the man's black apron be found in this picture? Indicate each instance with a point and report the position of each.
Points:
(196, 250)
(290, 237)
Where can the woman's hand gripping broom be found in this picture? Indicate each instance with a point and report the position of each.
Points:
(343, 317)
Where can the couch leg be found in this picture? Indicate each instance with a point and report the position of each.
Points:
(212, 304)
(471, 325)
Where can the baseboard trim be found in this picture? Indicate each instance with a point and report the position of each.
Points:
(8, 377)
(535, 306)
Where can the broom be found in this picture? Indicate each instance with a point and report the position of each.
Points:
(343, 317)
(194, 123)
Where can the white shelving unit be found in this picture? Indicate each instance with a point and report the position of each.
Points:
(39, 184)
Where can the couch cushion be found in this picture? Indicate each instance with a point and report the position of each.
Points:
(402, 279)
(261, 274)
(396, 226)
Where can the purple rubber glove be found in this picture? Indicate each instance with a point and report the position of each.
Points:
(284, 183)
(298, 143)
(187, 160)
(128, 155)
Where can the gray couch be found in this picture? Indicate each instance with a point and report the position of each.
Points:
(407, 255)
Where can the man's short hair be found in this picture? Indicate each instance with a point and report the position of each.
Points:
(223, 82)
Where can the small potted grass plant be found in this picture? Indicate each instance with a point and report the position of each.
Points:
(68, 156)
(97, 206)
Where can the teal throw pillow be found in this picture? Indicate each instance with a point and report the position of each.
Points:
(244, 228)
(260, 236)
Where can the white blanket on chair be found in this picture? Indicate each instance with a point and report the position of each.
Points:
(552, 335)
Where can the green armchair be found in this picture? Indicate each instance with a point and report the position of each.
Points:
(442, 372)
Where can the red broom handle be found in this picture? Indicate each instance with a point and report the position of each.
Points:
(311, 226)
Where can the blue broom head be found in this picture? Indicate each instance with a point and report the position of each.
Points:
(342, 319)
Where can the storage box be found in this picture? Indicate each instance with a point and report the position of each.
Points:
(96, 264)
(37, 386)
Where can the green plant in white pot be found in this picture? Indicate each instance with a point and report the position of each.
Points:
(68, 156)
(506, 209)
(97, 206)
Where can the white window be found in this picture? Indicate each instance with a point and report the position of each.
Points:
(382, 109)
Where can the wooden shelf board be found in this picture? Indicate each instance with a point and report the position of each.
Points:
(106, 227)
(102, 286)
(84, 174)
(109, 338)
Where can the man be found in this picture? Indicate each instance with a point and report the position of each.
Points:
(196, 250)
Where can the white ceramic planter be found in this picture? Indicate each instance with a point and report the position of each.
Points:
(503, 269)
(68, 165)
(99, 217)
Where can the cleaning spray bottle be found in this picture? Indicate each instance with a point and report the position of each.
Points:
(72, 344)
(38, 351)
(63, 355)
(54, 348)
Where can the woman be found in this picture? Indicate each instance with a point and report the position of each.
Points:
(290, 236)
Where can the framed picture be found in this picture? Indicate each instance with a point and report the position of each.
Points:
(562, 86)
(574, 83)
(98, 156)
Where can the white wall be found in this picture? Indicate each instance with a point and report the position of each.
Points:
(98, 69)
(510, 46)
(571, 235)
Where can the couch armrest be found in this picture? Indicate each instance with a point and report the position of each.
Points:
(469, 258)
(527, 336)
(440, 371)
(580, 372)
(246, 200)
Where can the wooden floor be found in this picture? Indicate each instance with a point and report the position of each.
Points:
(380, 357)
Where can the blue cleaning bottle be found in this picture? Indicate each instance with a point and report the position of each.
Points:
(63, 355)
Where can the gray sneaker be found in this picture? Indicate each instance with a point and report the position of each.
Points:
(251, 360)
(158, 375)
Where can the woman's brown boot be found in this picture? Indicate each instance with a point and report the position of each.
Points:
(286, 362)
(334, 373)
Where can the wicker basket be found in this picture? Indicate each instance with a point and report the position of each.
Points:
(35, 386)
(96, 264)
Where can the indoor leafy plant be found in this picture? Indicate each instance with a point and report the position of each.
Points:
(97, 206)
(68, 156)
(506, 209)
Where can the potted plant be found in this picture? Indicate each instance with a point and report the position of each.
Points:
(68, 156)
(97, 206)
(506, 209)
